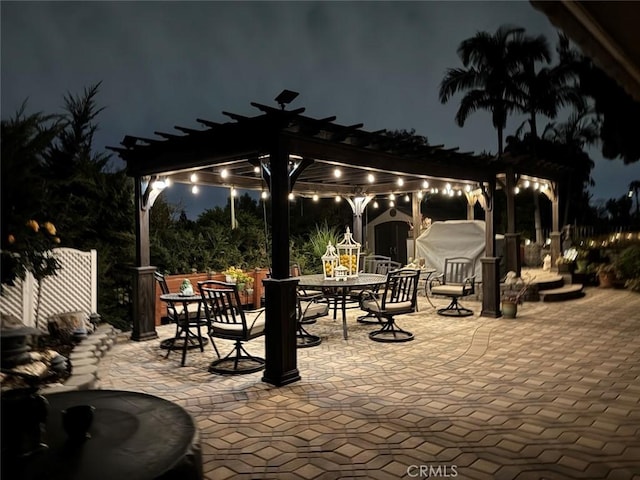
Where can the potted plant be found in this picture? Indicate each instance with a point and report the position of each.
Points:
(606, 274)
(567, 262)
(240, 278)
(515, 289)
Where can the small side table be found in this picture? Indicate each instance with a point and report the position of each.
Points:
(184, 338)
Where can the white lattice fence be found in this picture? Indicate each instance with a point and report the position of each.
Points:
(73, 289)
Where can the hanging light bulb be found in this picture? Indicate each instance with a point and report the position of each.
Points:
(193, 177)
(375, 204)
(338, 198)
(233, 192)
(195, 189)
(264, 194)
(291, 197)
(392, 204)
(371, 177)
(400, 182)
(425, 184)
(167, 182)
(516, 190)
(447, 186)
(392, 196)
(256, 169)
(467, 188)
(315, 197)
(527, 184)
(420, 195)
(459, 193)
(337, 173)
(406, 198)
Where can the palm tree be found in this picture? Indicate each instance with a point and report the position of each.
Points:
(492, 64)
(543, 92)
(580, 130)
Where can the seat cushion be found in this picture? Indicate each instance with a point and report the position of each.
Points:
(450, 290)
(373, 306)
(313, 310)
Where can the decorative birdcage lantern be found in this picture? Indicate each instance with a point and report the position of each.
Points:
(341, 273)
(329, 262)
(349, 254)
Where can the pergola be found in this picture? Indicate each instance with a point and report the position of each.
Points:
(285, 152)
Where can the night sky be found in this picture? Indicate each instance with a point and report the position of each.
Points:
(167, 63)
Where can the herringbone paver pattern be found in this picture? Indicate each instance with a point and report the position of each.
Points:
(553, 394)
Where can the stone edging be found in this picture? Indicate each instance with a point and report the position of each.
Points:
(84, 360)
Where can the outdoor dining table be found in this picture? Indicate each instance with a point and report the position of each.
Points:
(338, 290)
(132, 436)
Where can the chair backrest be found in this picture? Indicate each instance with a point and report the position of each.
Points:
(222, 305)
(401, 288)
(385, 266)
(457, 270)
(162, 282)
(370, 263)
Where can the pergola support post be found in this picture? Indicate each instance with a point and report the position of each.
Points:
(281, 361)
(144, 304)
(512, 252)
(144, 298)
(490, 287)
(280, 293)
(358, 204)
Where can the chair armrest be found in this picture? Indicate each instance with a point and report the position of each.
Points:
(437, 280)
(259, 314)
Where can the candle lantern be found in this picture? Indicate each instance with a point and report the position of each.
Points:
(349, 254)
(341, 273)
(329, 262)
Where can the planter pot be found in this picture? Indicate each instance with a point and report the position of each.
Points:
(606, 279)
(509, 309)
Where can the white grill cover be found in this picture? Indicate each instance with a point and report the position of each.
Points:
(453, 238)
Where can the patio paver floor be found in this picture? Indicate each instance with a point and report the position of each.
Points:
(553, 394)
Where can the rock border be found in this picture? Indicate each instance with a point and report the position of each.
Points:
(85, 358)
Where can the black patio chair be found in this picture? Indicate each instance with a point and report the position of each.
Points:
(309, 308)
(457, 280)
(399, 297)
(227, 320)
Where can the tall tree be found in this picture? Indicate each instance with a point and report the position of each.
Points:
(580, 130)
(491, 63)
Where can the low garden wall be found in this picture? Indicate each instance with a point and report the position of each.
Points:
(174, 282)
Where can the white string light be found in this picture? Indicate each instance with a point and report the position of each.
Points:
(193, 177)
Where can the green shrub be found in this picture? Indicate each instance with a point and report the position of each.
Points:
(627, 263)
